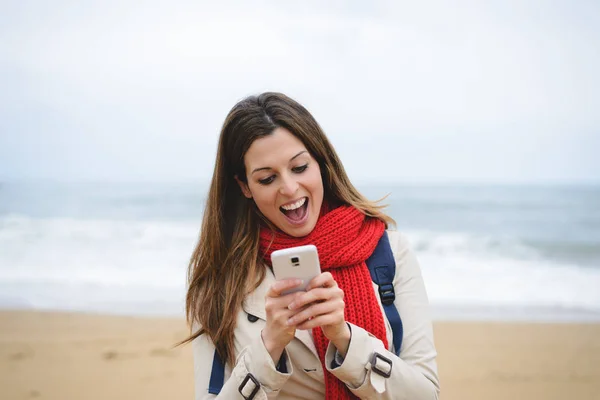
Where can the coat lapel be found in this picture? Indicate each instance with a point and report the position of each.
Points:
(255, 304)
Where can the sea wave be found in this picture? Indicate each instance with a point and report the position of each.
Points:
(96, 263)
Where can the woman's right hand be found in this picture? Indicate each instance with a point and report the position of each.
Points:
(277, 333)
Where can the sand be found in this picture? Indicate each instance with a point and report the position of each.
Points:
(63, 356)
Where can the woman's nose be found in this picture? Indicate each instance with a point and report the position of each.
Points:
(289, 186)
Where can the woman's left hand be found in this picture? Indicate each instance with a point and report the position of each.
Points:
(323, 306)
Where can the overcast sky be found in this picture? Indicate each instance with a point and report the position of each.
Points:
(495, 91)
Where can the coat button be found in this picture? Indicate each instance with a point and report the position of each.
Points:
(252, 318)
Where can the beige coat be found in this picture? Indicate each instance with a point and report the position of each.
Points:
(413, 374)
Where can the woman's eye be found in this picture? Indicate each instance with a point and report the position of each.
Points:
(300, 169)
(267, 180)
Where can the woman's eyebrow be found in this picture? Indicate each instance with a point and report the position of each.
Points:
(291, 159)
(303, 151)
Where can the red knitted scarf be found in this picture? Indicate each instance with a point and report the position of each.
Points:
(344, 238)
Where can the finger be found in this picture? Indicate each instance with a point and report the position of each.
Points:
(321, 320)
(280, 316)
(281, 302)
(281, 286)
(315, 310)
(316, 295)
(323, 280)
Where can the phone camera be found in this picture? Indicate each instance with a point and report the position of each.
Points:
(295, 261)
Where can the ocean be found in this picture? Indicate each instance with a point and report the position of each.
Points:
(487, 252)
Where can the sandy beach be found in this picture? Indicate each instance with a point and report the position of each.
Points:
(62, 356)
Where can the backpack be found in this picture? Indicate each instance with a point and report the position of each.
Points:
(382, 268)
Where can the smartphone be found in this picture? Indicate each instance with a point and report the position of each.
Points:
(300, 262)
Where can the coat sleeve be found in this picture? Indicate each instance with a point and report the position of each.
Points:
(254, 359)
(414, 373)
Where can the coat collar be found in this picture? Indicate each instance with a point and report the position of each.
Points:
(255, 304)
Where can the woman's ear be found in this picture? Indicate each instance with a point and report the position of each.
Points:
(244, 187)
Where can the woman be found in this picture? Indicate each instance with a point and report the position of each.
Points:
(278, 183)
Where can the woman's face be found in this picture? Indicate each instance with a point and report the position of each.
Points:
(284, 180)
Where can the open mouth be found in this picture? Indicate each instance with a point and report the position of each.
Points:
(296, 213)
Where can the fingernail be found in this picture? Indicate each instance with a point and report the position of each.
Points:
(292, 306)
(290, 321)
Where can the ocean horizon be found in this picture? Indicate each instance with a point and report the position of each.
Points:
(487, 252)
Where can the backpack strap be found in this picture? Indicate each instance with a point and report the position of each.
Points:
(382, 268)
(217, 375)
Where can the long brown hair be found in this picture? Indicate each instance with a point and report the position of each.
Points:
(225, 264)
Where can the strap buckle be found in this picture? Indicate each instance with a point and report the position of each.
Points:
(387, 294)
(249, 377)
(376, 356)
